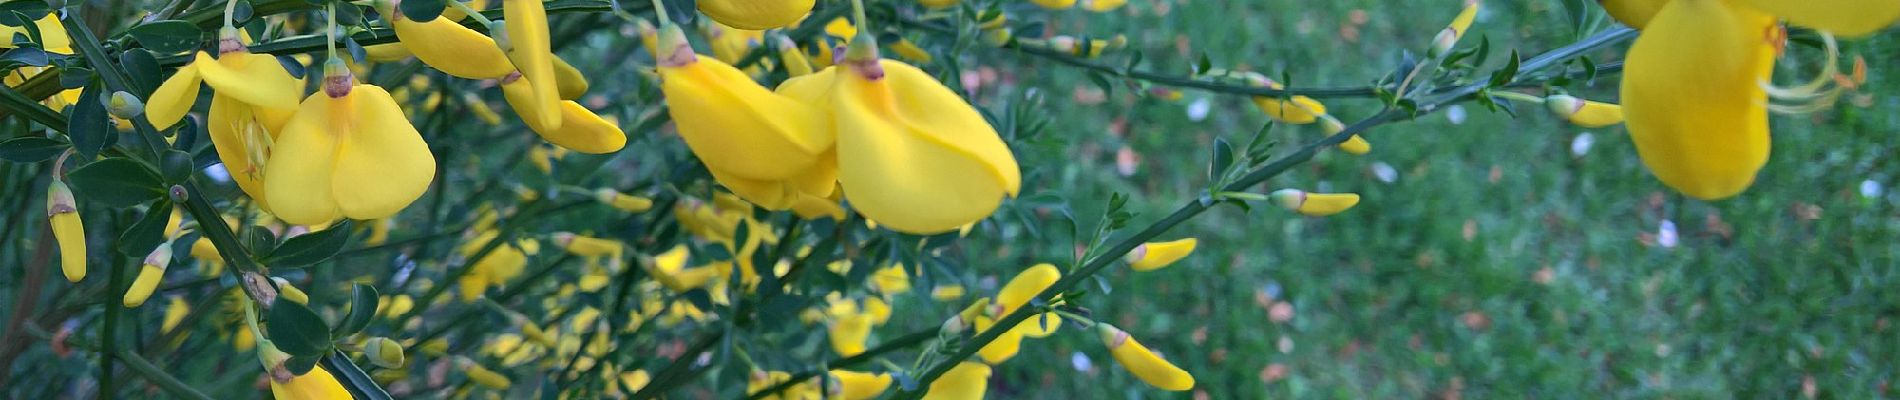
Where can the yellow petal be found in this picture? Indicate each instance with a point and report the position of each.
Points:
(914, 156)
(1155, 255)
(70, 234)
(1103, 5)
(454, 49)
(1301, 110)
(1356, 145)
(1004, 347)
(388, 52)
(861, 385)
(1324, 204)
(1026, 285)
(583, 131)
(772, 195)
(317, 384)
(1040, 326)
(1635, 13)
(256, 79)
(1047, 4)
(756, 14)
(969, 380)
(849, 333)
(1841, 17)
(814, 207)
(1142, 363)
(569, 80)
(1701, 127)
(739, 127)
(1585, 113)
(232, 124)
(532, 54)
(383, 164)
(174, 98)
(142, 287)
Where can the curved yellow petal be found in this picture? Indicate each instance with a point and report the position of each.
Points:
(1155, 255)
(569, 81)
(1040, 326)
(1701, 127)
(388, 52)
(1300, 110)
(739, 127)
(317, 384)
(301, 167)
(174, 98)
(914, 156)
(861, 385)
(969, 380)
(454, 49)
(233, 125)
(1841, 17)
(256, 79)
(382, 163)
(1324, 204)
(849, 333)
(814, 207)
(1142, 363)
(1026, 285)
(772, 195)
(70, 233)
(533, 55)
(756, 14)
(1635, 13)
(1047, 4)
(581, 131)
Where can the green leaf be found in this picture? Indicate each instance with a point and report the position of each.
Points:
(421, 10)
(301, 364)
(310, 248)
(297, 330)
(363, 303)
(116, 182)
(141, 67)
(146, 234)
(175, 166)
(1222, 159)
(352, 377)
(169, 37)
(87, 125)
(12, 101)
(28, 12)
(261, 241)
(31, 149)
(1508, 73)
(24, 56)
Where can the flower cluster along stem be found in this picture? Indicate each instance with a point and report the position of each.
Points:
(1195, 207)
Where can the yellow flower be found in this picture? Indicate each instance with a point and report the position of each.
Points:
(532, 54)
(756, 14)
(317, 384)
(253, 101)
(947, 292)
(1354, 145)
(1025, 286)
(175, 311)
(622, 201)
(1456, 30)
(797, 63)
(70, 233)
(1155, 255)
(500, 266)
(890, 281)
(348, 152)
(452, 48)
(1103, 5)
(967, 381)
(384, 352)
(849, 333)
(485, 377)
(912, 154)
(860, 385)
(576, 128)
(151, 272)
(1005, 346)
(1142, 363)
(1584, 113)
(1298, 110)
(290, 292)
(53, 35)
(753, 140)
(588, 246)
(569, 81)
(1315, 204)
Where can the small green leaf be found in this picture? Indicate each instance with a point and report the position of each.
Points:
(421, 10)
(147, 233)
(363, 303)
(116, 182)
(175, 166)
(169, 37)
(141, 67)
(86, 127)
(301, 364)
(260, 241)
(310, 248)
(297, 330)
(1222, 159)
(1508, 73)
(31, 149)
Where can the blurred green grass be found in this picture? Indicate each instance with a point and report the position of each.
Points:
(1498, 264)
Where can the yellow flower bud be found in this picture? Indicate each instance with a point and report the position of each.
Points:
(910, 51)
(587, 246)
(1354, 145)
(176, 308)
(1142, 363)
(384, 352)
(1054, 4)
(1155, 255)
(1315, 204)
(756, 14)
(1103, 5)
(891, 281)
(288, 292)
(1025, 286)
(1456, 30)
(797, 64)
(63, 213)
(569, 81)
(1584, 113)
(1298, 110)
(969, 380)
(947, 292)
(151, 272)
(485, 377)
(481, 109)
(124, 105)
(624, 202)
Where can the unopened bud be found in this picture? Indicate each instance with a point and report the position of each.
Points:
(229, 41)
(952, 327)
(125, 105)
(1314, 204)
(383, 352)
(622, 201)
(485, 377)
(1585, 113)
(288, 292)
(68, 230)
(151, 272)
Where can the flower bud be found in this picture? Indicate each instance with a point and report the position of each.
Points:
(624, 202)
(288, 292)
(1354, 145)
(70, 233)
(797, 64)
(125, 105)
(586, 246)
(337, 79)
(485, 377)
(151, 272)
(952, 327)
(1103, 5)
(1315, 204)
(849, 334)
(384, 352)
(1448, 37)
(1584, 113)
(1142, 363)
(1156, 255)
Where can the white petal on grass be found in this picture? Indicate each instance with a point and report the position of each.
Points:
(1580, 145)
(1197, 111)
(1384, 172)
(1871, 189)
(1455, 114)
(1666, 234)
(1081, 361)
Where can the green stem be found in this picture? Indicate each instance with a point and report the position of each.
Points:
(659, 9)
(857, 16)
(158, 376)
(471, 12)
(230, 13)
(901, 342)
(1510, 95)
(329, 33)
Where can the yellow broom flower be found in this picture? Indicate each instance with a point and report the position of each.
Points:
(1142, 363)
(1054, 4)
(1315, 204)
(579, 129)
(1354, 145)
(763, 146)
(348, 152)
(860, 385)
(1297, 110)
(1156, 255)
(967, 381)
(1103, 5)
(622, 201)
(1584, 113)
(849, 333)
(62, 212)
(253, 100)
(530, 50)
(1456, 30)
(450, 47)
(151, 271)
(569, 81)
(756, 14)
(317, 384)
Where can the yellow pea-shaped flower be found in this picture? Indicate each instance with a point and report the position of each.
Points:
(755, 139)
(969, 380)
(1155, 255)
(1584, 113)
(1315, 204)
(580, 129)
(1004, 347)
(68, 231)
(454, 49)
(569, 81)
(622, 201)
(1142, 363)
(912, 154)
(151, 271)
(1051, 4)
(860, 385)
(530, 50)
(1025, 286)
(350, 155)
(1701, 127)
(756, 14)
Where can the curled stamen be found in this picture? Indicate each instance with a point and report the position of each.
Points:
(1820, 92)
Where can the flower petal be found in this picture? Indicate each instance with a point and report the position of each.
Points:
(1635, 13)
(1841, 17)
(756, 14)
(382, 163)
(533, 55)
(174, 98)
(299, 177)
(913, 156)
(1701, 127)
(230, 124)
(969, 380)
(735, 125)
(252, 78)
(453, 49)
